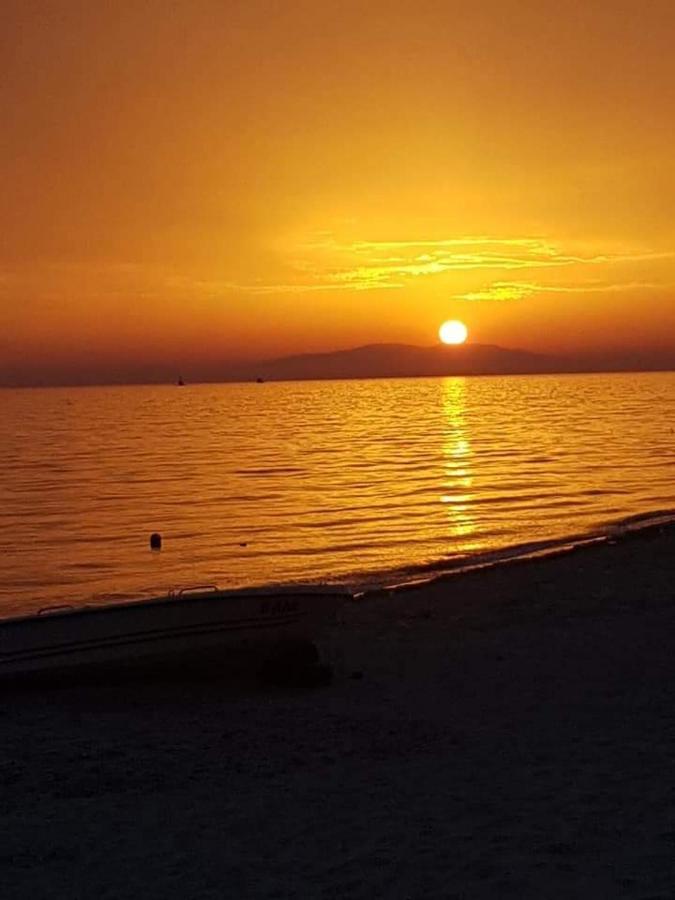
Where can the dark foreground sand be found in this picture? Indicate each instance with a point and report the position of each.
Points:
(513, 735)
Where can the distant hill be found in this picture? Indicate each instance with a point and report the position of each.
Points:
(371, 361)
(398, 361)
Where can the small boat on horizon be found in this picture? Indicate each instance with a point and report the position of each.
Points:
(193, 625)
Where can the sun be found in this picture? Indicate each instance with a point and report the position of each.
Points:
(453, 332)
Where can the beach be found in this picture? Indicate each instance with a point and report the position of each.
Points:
(505, 732)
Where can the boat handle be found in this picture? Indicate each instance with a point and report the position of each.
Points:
(51, 609)
(195, 589)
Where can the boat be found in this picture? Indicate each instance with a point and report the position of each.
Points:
(205, 625)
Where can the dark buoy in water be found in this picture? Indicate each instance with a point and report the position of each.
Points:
(155, 541)
(260, 381)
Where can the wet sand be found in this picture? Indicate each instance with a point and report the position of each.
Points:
(504, 733)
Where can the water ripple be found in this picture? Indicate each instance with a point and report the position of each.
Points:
(333, 480)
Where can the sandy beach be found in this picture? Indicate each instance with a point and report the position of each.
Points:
(509, 732)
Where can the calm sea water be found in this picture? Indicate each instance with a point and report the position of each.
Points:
(356, 481)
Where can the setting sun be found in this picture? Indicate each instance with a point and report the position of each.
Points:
(453, 332)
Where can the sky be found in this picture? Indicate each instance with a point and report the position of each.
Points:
(185, 183)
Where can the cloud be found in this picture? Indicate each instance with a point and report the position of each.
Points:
(520, 290)
(326, 263)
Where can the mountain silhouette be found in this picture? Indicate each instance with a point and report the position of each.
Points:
(398, 361)
(370, 361)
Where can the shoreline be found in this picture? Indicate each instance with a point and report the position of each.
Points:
(517, 554)
(622, 530)
(428, 575)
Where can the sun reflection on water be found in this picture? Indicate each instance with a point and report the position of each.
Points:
(458, 475)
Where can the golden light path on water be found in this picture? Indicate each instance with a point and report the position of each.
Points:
(358, 481)
(458, 464)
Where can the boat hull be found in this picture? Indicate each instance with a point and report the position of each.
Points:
(202, 628)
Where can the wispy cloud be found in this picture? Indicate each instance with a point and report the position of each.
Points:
(216, 288)
(520, 290)
(322, 262)
(326, 263)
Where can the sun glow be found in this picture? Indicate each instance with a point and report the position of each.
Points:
(453, 332)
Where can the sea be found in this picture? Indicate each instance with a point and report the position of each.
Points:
(365, 483)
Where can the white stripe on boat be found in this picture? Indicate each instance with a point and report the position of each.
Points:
(195, 623)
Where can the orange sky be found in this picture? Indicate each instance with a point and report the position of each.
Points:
(197, 180)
